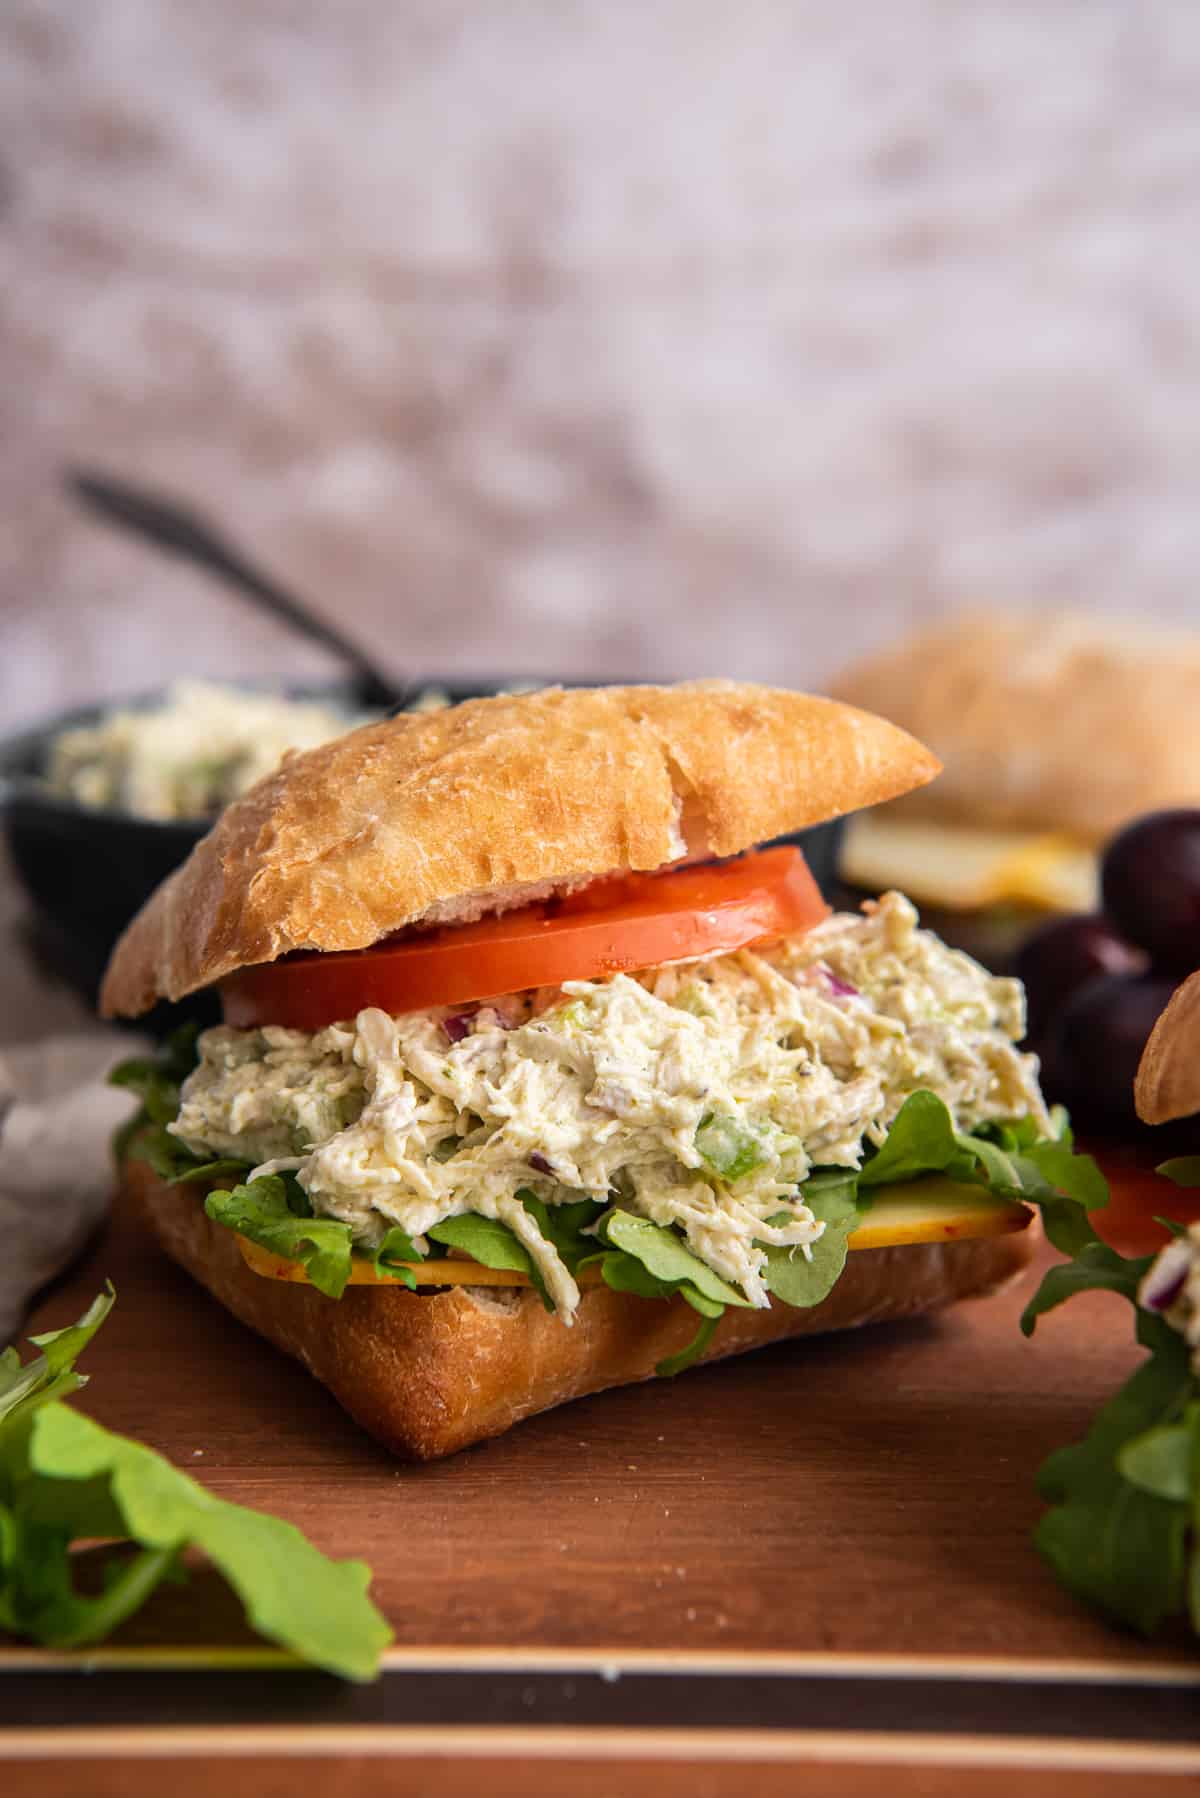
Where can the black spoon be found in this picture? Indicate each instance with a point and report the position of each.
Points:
(186, 534)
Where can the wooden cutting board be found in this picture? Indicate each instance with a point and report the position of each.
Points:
(819, 1553)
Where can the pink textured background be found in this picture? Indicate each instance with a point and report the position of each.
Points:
(543, 335)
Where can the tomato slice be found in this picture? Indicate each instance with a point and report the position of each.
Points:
(608, 927)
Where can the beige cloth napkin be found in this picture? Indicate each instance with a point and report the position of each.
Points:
(57, 1117)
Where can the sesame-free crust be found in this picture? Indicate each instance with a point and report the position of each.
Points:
(442, 816)
(1046, 721)
(428, 1373)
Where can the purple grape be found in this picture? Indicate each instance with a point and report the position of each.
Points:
(1093, 1049)
(1150, 879)
(1061, 957)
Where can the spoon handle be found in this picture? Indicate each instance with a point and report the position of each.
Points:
(183, 533)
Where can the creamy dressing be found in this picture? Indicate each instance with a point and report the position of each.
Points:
(701, 1093)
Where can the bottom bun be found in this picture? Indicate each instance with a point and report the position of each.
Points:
(431, 1372)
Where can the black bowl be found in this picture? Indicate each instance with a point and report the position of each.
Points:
(88, 870)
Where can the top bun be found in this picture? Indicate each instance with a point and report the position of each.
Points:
(438, 817)
(1050, 721)
(1168, 1076)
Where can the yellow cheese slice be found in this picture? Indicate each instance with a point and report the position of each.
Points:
(935, 1210)
(966, 870)
(930, 1210)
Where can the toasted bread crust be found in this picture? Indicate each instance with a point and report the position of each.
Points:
(441, 816)
(1055, 721)
(430, 1373)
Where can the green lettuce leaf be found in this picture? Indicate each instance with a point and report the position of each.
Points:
(687, 1357)
(292, 1594)
(1010, 1160)
(666, 1259)
(488, 1241)
(261, 1212)
(157, 1079)
(1162, 1461)
(1122, 1531)
(1184, 1170)
(394, 1252)
(1096, 1267)
(65, 1479)
(52, 1375)
(154, 1144)
(921, 1140)
(800, 1279)
(564, 1225)
(484, 1239)
(144, 1137)
(1111, 1541)
(655, 1263)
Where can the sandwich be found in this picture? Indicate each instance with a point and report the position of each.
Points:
(1056, 729)
(545, 1066)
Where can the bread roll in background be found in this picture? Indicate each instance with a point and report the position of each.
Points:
(1045, 721)
(1055, 730)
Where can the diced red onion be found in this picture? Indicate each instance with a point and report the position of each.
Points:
(458, 1026)
(841, 989)
(540, 1165)
(1167, 1278)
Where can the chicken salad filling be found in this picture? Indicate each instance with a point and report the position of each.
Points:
(699, 1097)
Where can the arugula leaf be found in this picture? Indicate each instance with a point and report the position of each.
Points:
(52, 1374)
(625, 1273)
(800, 1279)
(317, 1608)
(487, 1240)
(1160, 1461)
(1010, 1160)
(1184, 1170)
(666, 1258)
(1063, 1170)
(484, 1239)
(655, 1263)
(563, 1226)
(154, 1144)
(64, 1478)
(260, 1211)
(1065, 1186)
(1096, 1267)
(396, 1249)
(158, 1093)
(687, 1357)
(1115, 1544)
(144, 1137)
(1126, 1500)
(833, 1184)
(156, 1079)
(921, 1140)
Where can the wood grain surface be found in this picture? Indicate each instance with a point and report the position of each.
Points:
(633, 1776)
(853, 1508)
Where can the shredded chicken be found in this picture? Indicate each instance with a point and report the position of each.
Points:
(702, 1093)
